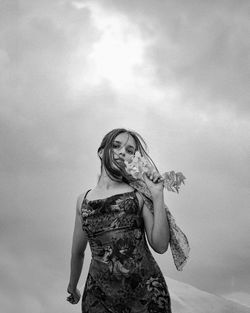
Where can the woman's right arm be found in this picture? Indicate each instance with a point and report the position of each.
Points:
(79, 244)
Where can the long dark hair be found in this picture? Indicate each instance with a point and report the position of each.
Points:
(119, 173)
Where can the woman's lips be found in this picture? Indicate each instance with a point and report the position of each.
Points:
(120, 161)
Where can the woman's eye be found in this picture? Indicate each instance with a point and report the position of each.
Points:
(131, 152)
(115, 145)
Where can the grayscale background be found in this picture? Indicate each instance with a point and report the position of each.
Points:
(178, 73)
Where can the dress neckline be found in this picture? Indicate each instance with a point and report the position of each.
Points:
(103, 199)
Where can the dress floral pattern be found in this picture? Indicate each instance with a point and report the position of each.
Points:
(123, 276)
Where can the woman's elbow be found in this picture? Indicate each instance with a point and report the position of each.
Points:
(160, 249)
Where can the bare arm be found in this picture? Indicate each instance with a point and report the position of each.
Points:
(79, 244)
(156, 226)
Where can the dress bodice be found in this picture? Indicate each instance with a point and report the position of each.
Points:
(114, 226)
(123, 275)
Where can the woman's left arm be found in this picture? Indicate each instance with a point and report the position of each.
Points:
(156, 225)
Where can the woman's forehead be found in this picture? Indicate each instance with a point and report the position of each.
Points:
(125, 138)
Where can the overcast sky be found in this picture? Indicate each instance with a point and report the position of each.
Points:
(175, 71)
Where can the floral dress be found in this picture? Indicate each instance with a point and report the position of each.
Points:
(123, 276)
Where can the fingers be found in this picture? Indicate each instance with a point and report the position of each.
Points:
(155, 177)
(72, 299)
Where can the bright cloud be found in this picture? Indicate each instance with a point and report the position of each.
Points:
(117, 57)
(116, 53)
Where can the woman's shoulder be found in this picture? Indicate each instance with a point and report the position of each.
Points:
(80, 199)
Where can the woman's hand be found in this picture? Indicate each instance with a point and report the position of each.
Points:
(154, 181)
(74, 296)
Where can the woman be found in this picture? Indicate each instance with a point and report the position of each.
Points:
(114, 218)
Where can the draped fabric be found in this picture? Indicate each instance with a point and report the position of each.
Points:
(179, 244)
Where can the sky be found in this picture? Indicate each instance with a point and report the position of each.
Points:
(178, 73)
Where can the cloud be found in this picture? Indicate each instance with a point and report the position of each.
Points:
(41, 104)
(198, 48)
(201, 141)
(36, 110)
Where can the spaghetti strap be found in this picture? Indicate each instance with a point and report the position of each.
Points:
(86, 194)
(83, 200)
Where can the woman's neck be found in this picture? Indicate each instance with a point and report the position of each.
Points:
(105, 182)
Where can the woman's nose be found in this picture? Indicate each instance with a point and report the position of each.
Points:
(122, 151)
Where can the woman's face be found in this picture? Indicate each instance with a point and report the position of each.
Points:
(124, 147)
